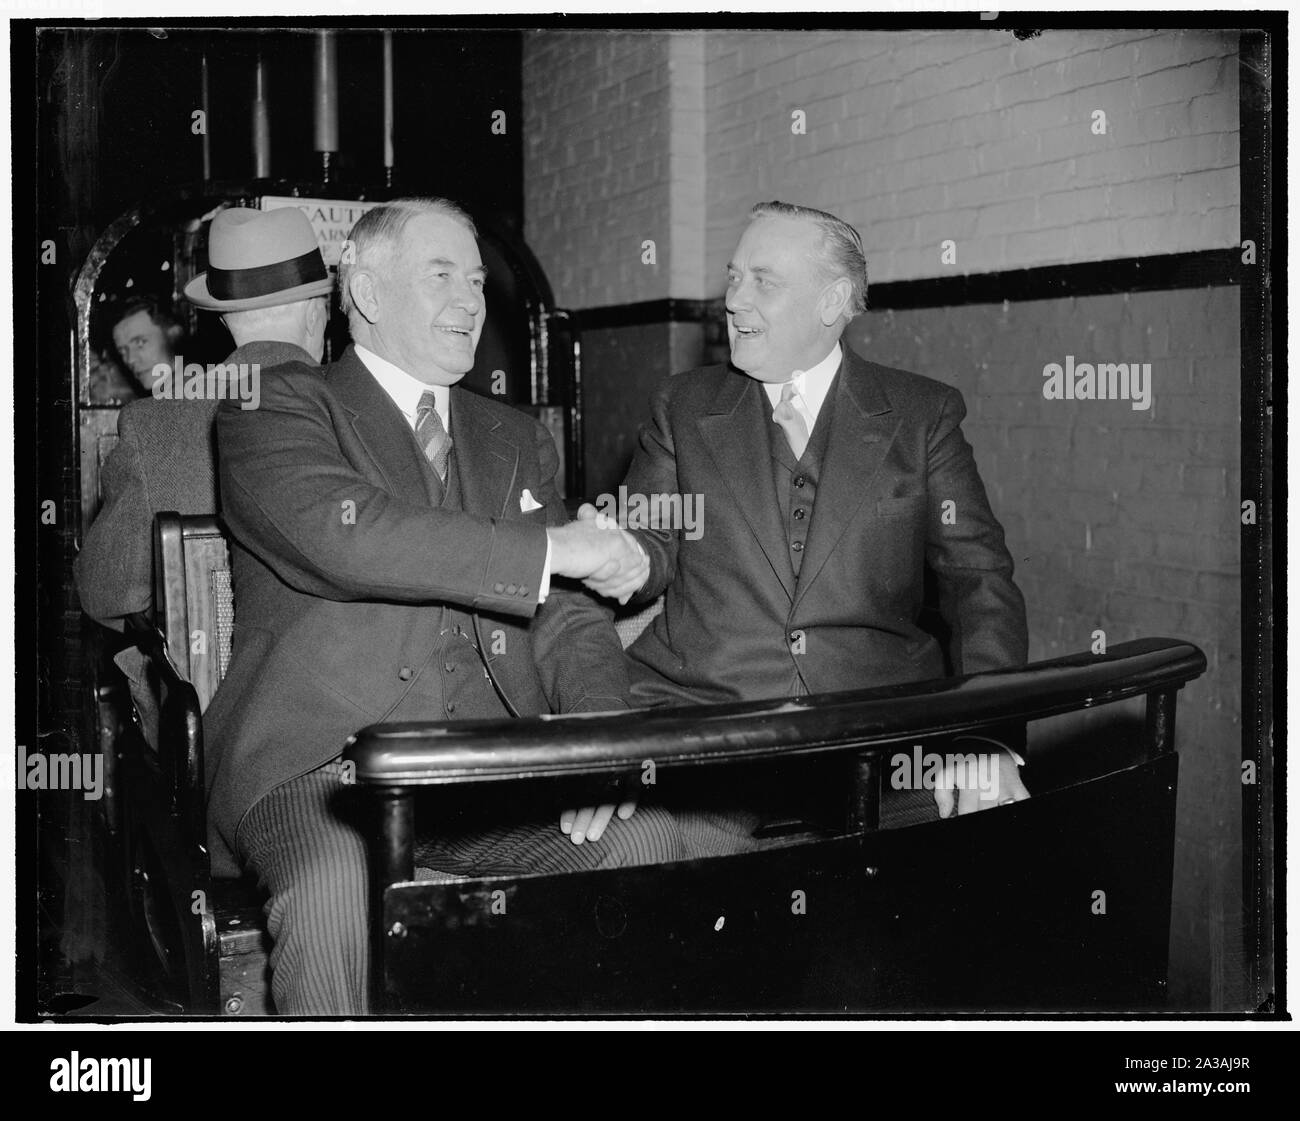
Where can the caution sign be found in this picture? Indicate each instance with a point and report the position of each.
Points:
(332, 219)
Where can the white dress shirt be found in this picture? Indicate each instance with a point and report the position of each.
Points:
(811, 387)
(405, 392)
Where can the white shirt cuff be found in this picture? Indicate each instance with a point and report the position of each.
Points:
(546, 574)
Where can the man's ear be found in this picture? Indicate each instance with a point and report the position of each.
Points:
(363, 289)
(317, 313)
(835, 301)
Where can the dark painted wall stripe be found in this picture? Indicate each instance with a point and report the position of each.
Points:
(1207, 268)
(1210, 268)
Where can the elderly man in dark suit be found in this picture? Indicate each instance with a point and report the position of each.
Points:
(269, 283)
(828, 484)
(398, 548)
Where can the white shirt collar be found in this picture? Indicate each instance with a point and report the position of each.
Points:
(811, 385)
(405, 390)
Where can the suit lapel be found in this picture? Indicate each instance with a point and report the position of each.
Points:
(735, 433)
(488, 463)
(380, 427)
(862, 429)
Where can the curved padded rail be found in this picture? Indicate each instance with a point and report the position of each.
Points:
(465, 751)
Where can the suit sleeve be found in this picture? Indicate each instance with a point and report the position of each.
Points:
(967, 551)
(114, 570)
(654, 471)
(579, 657)
(291, 496)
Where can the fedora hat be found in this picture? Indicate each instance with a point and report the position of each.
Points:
(259, 258)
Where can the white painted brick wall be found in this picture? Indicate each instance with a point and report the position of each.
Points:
(980, 138)
(915, 137)
(596, 163)
(688, 161)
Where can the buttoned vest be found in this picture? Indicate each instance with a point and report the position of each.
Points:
(452, 684)
(796, 480)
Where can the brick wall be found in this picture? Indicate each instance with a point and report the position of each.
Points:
(915, 137)
(596, 162)
(614, 156)
(1122, 520)
(1119, 519)
(979, 138)
(918, 138)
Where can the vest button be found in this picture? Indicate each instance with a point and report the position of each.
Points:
(451, 707)
(450, 667)
(405, 673)
(800, 514)
(797, 546)
(799, 480)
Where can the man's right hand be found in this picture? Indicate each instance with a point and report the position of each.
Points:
(602, 555)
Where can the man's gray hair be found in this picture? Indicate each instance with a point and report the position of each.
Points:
(378, 230)
(842, 253)
(255, 319)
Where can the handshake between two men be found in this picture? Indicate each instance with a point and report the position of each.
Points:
(598, 551)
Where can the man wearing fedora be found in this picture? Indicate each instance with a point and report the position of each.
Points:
(268, 281)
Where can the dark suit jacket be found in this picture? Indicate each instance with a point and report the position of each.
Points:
(734, 616)
(342, 565)
(165, 459)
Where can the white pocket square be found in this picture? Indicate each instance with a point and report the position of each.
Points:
(527, 502)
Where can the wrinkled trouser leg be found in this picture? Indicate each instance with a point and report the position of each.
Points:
(304, 842)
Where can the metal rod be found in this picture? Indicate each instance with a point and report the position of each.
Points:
(207, 118)
(534, 322)
(579, 437)
(325, 86)
(864, 804)
(396, 863)
(388, 108)
(261, 125)
(1161, 710)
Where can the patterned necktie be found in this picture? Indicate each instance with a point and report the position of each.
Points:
(791, 420)
(433, 438)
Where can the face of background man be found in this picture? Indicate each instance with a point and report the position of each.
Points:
(774, 300)
(141, 344)
(430, 301)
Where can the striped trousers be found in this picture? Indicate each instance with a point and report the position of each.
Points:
(306, 843)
